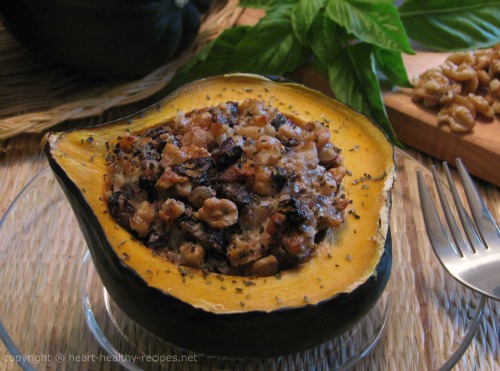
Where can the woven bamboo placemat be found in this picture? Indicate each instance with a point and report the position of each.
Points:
(426, 322)
(36, 95)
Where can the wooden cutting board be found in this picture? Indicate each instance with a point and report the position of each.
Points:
(416, 126)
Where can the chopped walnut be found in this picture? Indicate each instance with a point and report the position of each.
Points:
(170, 178)
(243, 250)
(172, 155)
(195, 152)
(171, 209)
(142, 219)
(465, 85)
(198, 195)
(218, 213)
(266, 266)
(191, 254)
(263, 184)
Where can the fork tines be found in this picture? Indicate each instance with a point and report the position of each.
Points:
(483, 234)
(474, 260)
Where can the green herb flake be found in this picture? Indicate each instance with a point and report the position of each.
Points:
(380, 177)
(185, 272)
(353, 213)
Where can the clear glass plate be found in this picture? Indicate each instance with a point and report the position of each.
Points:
(55, 313)
(136, 349)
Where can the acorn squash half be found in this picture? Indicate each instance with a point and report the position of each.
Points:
(225, 315)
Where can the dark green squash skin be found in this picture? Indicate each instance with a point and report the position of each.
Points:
(105, 38)
(242, 335)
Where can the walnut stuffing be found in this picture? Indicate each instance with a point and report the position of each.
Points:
(237, 188)
(467, 84)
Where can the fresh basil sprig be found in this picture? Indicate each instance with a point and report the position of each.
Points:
(353, 43)
(452, 25)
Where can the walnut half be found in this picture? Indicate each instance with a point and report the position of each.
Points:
(460, 118)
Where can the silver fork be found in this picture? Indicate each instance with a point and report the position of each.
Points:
(473, 259)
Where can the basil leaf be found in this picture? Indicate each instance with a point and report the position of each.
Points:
(303, 17)
(215, 58)
(391, 64)
(452, 25)
(375, 22)
(324, 40)
(354, 81)
(265, 4)
(271, 47)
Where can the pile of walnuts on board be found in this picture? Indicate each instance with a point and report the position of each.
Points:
(465, 85)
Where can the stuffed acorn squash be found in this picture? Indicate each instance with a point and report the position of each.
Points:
(312, 264)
